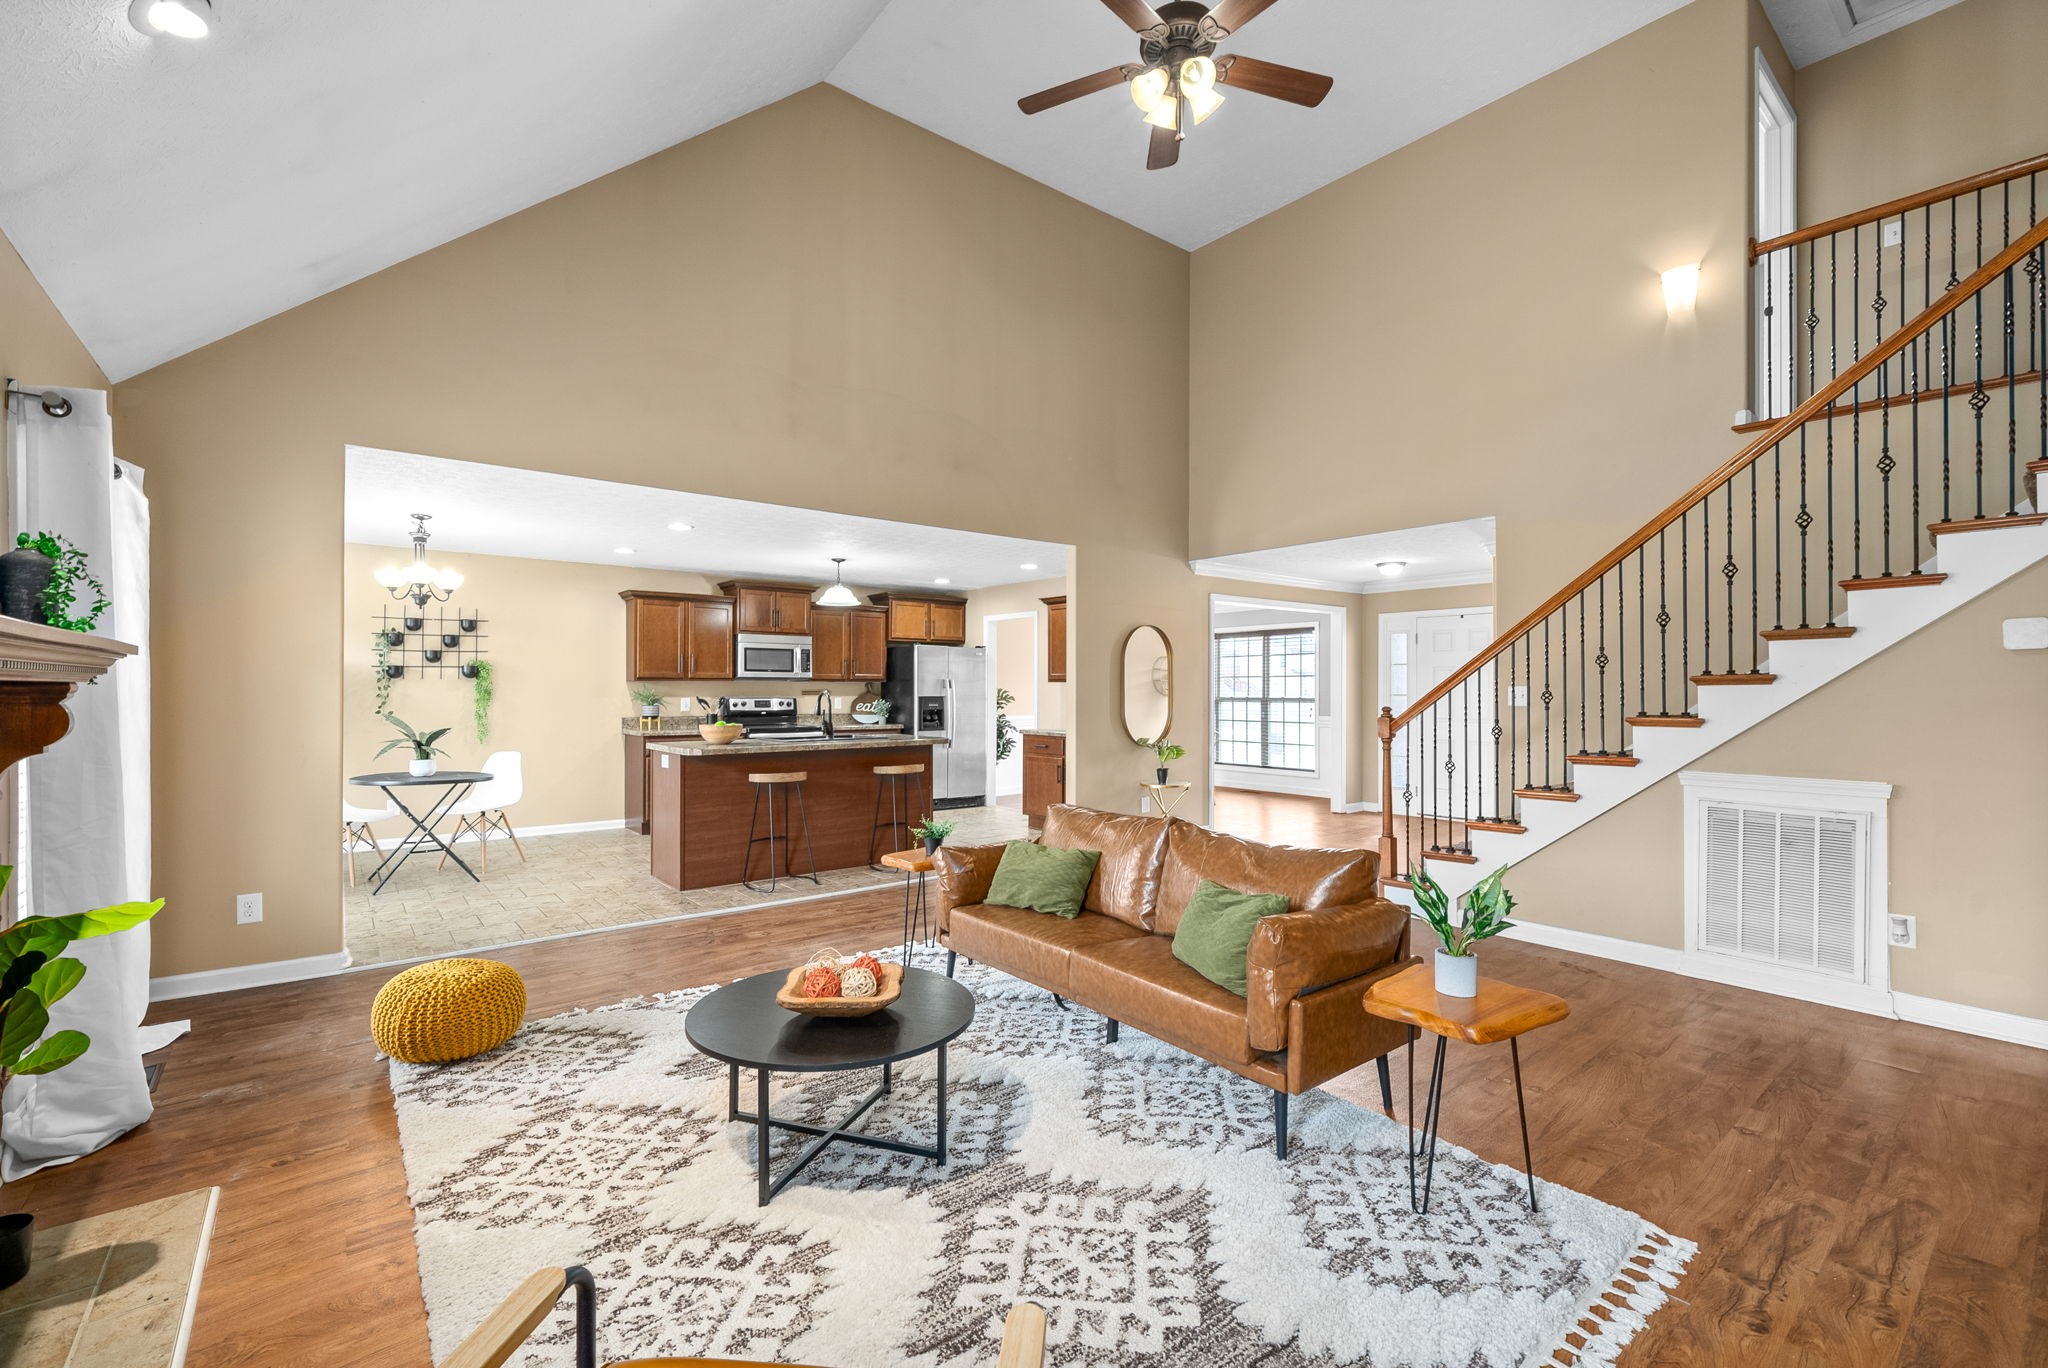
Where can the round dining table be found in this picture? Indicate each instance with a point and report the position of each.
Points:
(456, 785)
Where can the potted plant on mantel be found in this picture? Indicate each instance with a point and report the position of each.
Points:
(40, 580)
(933, 831)
(1485, 914)
(423, 748)
(34, 975)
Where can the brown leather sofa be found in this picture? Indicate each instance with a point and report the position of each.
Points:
(1302, 1021)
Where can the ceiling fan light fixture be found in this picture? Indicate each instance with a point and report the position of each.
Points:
(1165, 115)
(1202, 101)
(177, 18)
(1148, 89)
(1197, 73)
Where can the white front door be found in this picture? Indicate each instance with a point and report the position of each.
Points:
(1459, 729)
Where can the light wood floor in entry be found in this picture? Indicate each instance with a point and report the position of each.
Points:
(1863, 1192)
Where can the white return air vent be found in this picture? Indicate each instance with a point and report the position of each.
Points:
(1785, 884)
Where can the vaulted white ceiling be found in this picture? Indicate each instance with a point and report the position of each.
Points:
(168, 193)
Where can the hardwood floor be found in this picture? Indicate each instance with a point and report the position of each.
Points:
(1863, 1192)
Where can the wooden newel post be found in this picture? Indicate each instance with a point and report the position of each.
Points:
(1390, 849)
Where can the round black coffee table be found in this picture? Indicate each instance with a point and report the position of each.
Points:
(742, 1025)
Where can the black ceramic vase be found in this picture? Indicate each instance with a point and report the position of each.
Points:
(1162, 774)
(24, 574)
(932, 844)
(16, 1231)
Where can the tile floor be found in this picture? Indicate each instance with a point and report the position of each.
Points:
(587, 881)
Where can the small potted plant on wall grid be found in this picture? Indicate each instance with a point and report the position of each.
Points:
(933, 831)
(422, 743)
(1460, 930)
(1166, 752)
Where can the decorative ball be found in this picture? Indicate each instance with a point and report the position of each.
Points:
(821, 982)
(869, 963)
(857, 981)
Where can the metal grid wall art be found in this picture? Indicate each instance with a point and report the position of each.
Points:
(438, 642)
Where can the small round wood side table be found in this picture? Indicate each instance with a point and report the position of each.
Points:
(1500, 1011)
(915, 864)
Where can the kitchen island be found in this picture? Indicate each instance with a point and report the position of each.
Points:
(699, 802)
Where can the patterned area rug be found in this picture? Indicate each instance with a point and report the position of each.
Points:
(1129, 1189)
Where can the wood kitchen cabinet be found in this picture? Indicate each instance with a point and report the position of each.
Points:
(850, 643)
(1045, 774)
(678, 636)
(1055, 639)
(770, 608)
(932, 621)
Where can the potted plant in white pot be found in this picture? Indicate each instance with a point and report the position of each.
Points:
(1484, 914)
(422, 743)
(649, 701)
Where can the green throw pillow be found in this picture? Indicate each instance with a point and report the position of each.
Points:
(1215, 933)
(1043, 878)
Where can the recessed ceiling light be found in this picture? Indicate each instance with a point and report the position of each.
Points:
(1027, 565)
(942, 581)
(622, 550)
(1392, 568)
(178, 18)
(679, 527)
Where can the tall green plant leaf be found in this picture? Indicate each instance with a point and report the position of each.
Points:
(20, 973)
(21, 1028)
(54, 1053)
(57, 978)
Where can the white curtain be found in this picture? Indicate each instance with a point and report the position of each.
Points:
(86, 799)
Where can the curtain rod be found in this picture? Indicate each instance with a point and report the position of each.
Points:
(54, 404)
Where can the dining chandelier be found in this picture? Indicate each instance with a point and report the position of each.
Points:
(420, 582)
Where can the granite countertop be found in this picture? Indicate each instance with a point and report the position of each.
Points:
(1042, 731)
(687, 726)
(770, 746)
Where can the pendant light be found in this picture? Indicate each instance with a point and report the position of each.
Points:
(836, 594)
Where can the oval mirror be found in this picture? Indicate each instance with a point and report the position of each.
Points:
(1148, 685)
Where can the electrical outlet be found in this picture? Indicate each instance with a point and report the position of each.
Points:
(1518, 695)
(248, 908)
(1904, 931)
(1894, 232)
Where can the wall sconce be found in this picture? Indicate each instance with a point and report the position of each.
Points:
(1681, 290)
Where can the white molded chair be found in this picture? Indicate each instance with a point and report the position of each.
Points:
(483, 811)
(355, 831)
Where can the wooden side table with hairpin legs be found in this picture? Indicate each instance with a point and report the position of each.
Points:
(915, 864)
(1500, 1011)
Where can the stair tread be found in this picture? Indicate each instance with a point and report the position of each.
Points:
(1454, 856)
(1507, 828)
(1734, 679)
(1940, 529)
(1396, 881)
(1806, 633)
(1548, 795)
(1896, 581)
(1666, 720)
(1597, 758)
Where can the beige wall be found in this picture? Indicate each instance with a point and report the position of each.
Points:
(1953, 94)
(1475, 324)
(797, 294)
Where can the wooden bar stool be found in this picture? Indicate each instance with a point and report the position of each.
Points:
(789, 781)
(892, 778)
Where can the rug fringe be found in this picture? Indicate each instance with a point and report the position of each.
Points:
(1621, 1310)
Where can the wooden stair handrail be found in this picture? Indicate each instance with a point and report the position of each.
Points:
(1983, 180)
(1978, 280)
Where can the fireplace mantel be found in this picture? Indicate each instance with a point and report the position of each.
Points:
(40, 667)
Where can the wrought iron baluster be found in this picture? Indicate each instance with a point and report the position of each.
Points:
(1547, 696)
(1803, 520)
(1642, 641)
(1755, 568)
(1829, 539)
(1979, 400)
(1728, 574)
(1600, 661)
(1514, 723)
(1684, 613)
(1582, 673)
(1777, 533)
(1663, 635)
(2012, 406)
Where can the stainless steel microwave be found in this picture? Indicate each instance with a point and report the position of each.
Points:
(773, 657)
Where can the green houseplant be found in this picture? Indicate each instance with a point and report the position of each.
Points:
(485, 691)
(1166, 752)
(933, 831)
(1006, 730)
(68, 575)
(380, 647)
(649, 701)
(423, 744)
(1484, 914)
(34, 976)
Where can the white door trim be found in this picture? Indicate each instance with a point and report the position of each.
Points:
(1777, 212)
(988, 642)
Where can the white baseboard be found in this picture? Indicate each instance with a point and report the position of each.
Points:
(1925, 1011)
(1365, 806)
(172, 986)
(1977, 1021)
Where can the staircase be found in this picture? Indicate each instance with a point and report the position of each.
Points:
(1898, 480)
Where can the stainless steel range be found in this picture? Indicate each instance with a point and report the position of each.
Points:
(770, 717)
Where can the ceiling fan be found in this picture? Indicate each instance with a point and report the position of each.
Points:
(1175, 78)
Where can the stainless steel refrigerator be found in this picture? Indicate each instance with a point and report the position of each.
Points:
(941, 692)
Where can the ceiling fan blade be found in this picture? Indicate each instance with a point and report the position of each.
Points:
(1270, 78)
(1164, 151)
(1140, 16)
(1228, 16)
(1072, 90)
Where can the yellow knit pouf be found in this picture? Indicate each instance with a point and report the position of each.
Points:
(449, 1009)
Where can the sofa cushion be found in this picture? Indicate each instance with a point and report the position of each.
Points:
(1043, 878)
(1126, 884)
(1216, 930)
(1308, 879)
(1139, 982)
(1029, 944)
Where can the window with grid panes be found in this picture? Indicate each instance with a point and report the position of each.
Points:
(1266, 698)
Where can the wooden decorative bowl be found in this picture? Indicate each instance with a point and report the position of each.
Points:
(888, 987)
(720, 734)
